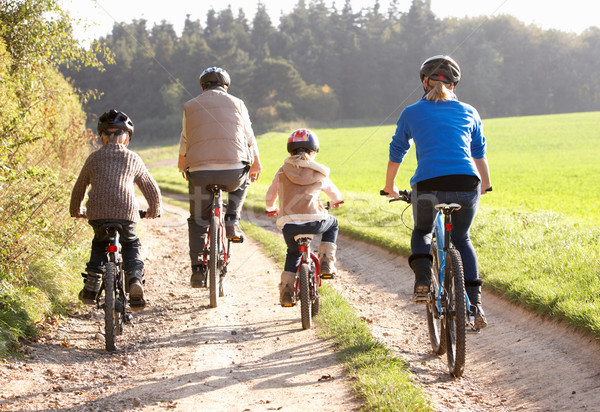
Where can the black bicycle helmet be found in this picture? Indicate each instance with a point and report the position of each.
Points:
(115, 119)
(303, 139)
(442, 68)
(214, 77)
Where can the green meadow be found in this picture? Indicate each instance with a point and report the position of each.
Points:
(537, 234)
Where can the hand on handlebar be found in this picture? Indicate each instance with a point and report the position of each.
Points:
(272, 213)
(334, 205)
(392, 192)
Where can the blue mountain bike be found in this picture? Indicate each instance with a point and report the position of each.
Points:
(448, 315)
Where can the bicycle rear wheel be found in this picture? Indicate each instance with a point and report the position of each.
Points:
(213, 262)
(305, 302)
(111, 316)
(456, 317)
(435, 323)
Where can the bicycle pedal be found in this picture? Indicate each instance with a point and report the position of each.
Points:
(287, 305)
(237, 240)
(328, 276)
(420, 299)
(473, 331)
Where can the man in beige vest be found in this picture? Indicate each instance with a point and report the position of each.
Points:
(217, 146)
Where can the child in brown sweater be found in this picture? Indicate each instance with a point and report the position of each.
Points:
(297, 185)
(111, 173)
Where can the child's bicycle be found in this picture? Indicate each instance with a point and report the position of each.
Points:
(308, 278)
(217, 248)
(448, 316)
(115, 299)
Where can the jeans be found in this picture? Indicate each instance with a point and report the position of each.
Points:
(424, 214)
(130, 246)
(236, 184)
(328, 228)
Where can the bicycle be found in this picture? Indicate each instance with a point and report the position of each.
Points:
(216, 252)
(113, 285)
(449, 316)
(308, 277)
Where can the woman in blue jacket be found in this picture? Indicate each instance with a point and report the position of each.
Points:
(451, 168)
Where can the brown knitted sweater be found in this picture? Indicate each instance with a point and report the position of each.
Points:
(112, 171)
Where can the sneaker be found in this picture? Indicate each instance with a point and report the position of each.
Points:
(87, 296)
(480, 319)
(421, 293)
(198, 279)
(136, 294)
(233, 232)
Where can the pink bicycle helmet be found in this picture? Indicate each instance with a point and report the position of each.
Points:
(303, 139)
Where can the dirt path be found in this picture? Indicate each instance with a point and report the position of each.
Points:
(249, 354)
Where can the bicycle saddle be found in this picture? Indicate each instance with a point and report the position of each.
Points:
(113, 226)
(300, 236)
(213, 187)
(451, 206)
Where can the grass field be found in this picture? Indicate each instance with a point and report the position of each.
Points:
(537, 233)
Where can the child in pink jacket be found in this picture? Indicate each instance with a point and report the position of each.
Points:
(298, 184)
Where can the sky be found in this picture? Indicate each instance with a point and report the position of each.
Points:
(100, 15)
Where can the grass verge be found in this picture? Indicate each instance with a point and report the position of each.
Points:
(381, 380)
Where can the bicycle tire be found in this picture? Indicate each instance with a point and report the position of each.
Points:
(305, 303)
(110, 313)
(435, 324)
(456, 317)
(213, 262)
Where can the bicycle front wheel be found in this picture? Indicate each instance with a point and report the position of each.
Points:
(456, 317)
(305, 301)
(110, 312)
(213, 261)
(435, 323)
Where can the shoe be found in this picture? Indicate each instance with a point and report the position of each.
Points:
(286, 300)
(198, 279)
(136, 294)
(91, 287)
(421, 265)
(286, 288)
(87, 296)
(327, 259)
(233, 232)
(473, 289)
(480, 319)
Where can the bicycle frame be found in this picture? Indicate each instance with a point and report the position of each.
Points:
(218, 212)
(308, 281)
(307, 254)
(441, 228)
(216, 253)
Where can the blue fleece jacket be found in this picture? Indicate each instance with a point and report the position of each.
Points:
(447, 135)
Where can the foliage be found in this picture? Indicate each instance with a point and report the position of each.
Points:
(328, 64)
(43, 142)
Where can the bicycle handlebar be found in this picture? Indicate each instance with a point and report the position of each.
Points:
(404, 196)
(327, 205)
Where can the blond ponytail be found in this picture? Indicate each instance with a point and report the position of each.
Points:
(439, 92)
